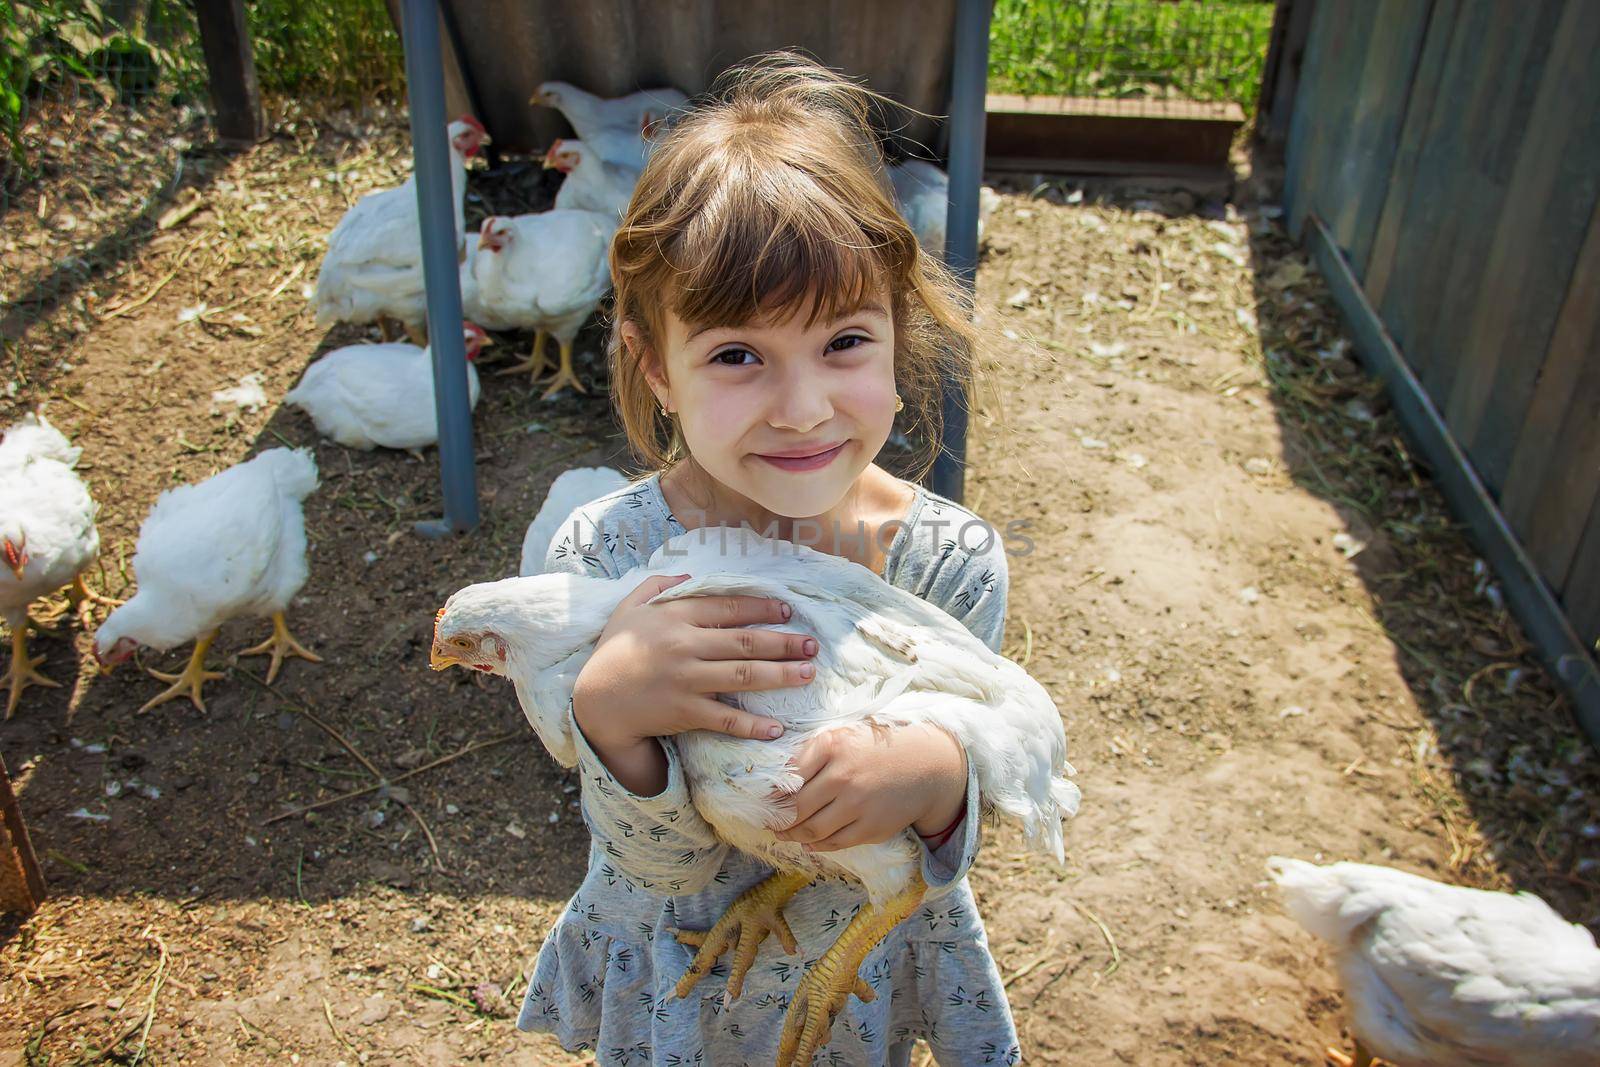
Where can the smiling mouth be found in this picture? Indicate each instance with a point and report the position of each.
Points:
(815, 461)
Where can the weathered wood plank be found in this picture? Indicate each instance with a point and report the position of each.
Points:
(1489, 94)
(1382, 99)
(1305, 125)
(1335, 103)
(1581, 597)
(1413, 141)
(1551, 196)
(231, 69)
(1530, 599)
(1555, 470)
(21, 884)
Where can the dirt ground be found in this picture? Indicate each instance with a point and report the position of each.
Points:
(1263, 631)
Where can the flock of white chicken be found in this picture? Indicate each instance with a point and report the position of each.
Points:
(1433, 974)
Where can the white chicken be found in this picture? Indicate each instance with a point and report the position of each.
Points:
(47, 536)
(233, 545)
(591, 183)
(570, 491)
(373, 268)
(547, 272)
(380, 395)
(922, 193)
(1443, 976)
(885, 656)
(612, 127)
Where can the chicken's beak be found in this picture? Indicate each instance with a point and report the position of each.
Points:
(440, 658)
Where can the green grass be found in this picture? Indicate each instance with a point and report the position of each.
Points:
(1188, 49)
(62, 51)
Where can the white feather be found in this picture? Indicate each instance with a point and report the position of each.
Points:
(231, 546)
(570, 491)
(1438, 975)
(45, 511)
(376, 395)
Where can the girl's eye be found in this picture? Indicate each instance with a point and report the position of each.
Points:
(732, 357)
(839, 343)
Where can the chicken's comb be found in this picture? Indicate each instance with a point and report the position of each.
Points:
(474, 123)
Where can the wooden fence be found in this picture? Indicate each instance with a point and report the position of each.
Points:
(1450, 150)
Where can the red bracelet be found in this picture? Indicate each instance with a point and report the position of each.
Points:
(936, 841)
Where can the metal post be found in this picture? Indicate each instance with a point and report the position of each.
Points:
(969, 82)
(425, 86)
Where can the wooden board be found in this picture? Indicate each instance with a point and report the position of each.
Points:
(1051, 133)
(21, 884)
(1413, 139)
(1581, 597)
(1358, 183)
(1550, 198)
(1339, 37)
(1554, 473)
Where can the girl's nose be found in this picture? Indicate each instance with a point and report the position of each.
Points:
(799, 406)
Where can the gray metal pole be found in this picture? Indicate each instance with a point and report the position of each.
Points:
(425, 84)
(969, 82)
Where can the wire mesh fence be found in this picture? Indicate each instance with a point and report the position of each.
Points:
(1165, 53)
(105, 144)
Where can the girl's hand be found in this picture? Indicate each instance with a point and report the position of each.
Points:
(865, 784)
(657, 667)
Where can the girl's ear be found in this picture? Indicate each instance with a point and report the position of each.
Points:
(639, 350)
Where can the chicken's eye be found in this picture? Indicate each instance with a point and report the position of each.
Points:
(461, 642)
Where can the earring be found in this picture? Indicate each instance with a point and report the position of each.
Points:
(664, 412)
(899, 405)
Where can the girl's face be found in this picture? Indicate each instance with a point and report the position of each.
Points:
(785, 415)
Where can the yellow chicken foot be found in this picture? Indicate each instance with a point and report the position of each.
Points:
(536, 363)
(21, 673)
(280, 645)
(187, 683)
(80, 596)
(417, 334)
(757, 913)
(565, 375)
(822, 993)
(385, 330)
(1362, 1058)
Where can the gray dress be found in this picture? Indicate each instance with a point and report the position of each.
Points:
(605, 975)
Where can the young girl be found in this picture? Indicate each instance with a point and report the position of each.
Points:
(772, 314)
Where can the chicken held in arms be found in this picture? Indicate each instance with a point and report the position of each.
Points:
(373, 268)
(546, 272)
(885, 657)
(231, 546)
(47, 537)
(380, 396)
(1440, 975)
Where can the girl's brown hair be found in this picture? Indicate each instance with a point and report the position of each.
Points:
(769, 194)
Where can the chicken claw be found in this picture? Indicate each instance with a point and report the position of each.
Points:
(21, 673)
(747, 922)
(189, 681)
(280, 645)
(1362, 1058)
(827, 986)
(536, 363)
(565, 375)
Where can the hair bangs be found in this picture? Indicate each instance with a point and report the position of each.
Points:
(774, 248)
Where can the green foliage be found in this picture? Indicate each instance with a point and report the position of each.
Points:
(126, 51)
(340, 51)
(1187, 49)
